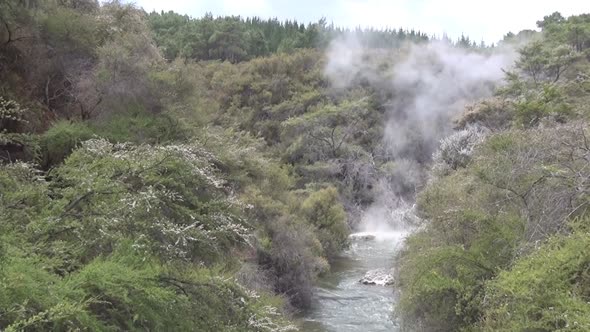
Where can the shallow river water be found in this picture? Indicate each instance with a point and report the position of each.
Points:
(342, 303)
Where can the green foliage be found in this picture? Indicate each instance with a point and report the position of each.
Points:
(61, 139)
(140, 127)
(443, 267)
(517, 191)
(128, 192)
(536, 168)
(23, 147)
(548, 102)
(573, 31)
(548, 80)
(323, 210)
(292, 258)
(234, 39)
(289, 254)
(330, 127)
(114, 242)
(77, 30)
(131, 292)
(15, 143)
(250, 168)
(545, 291)
(543, 62)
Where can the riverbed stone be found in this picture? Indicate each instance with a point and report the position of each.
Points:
(378, 277)
(362, 237)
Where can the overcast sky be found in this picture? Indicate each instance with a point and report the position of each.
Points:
(488, 20)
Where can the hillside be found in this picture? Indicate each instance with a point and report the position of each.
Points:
(162, 172)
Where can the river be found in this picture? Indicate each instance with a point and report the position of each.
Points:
(342, 303)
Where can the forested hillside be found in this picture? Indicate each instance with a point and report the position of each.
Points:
(237, 39)
(162, 172)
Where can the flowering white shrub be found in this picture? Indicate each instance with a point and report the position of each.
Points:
(24, 171)
(11, 111)
(455, 150)
(169, 199)
(265, 322)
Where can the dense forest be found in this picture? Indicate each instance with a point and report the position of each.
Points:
(163, 172)
(236, 39)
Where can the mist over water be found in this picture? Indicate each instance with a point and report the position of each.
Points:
(429, 85)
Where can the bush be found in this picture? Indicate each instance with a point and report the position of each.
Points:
(104, 193)
(546, 291)
(323, 210)
(120, 238)
(140, 127)
(61, 139)
(520, 187)
(494, 114)
(15, 142)
(455, 151)
(131, 292)
(540, 172)
(289, 256)
(443, 267)
(169, 198)
(546, 102)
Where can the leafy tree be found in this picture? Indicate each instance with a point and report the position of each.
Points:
(543, 64)
(237, 39)
(555, 18)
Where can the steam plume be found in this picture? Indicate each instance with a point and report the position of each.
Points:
(428, 85)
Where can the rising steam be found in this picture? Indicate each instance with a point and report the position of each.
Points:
(428, 86)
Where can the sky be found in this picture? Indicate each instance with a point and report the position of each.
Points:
(486, 20)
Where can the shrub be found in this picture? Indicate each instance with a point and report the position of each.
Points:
(494, 114)
(128, 291)
(545, 291)
(443, 266)
(140, 127)
(323, 210)
(548, 101)
(455, 151)
(61, 139)
(119, 239)
(541, 172)
(15, 143)
(520, 187)
(169, 198)
(290, 257)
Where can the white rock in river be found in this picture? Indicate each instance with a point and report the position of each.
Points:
(379, 277)
(362, 236)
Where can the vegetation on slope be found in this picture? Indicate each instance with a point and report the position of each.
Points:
(164, 172)
(506, 208)
(236, 39)
(139, 193)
